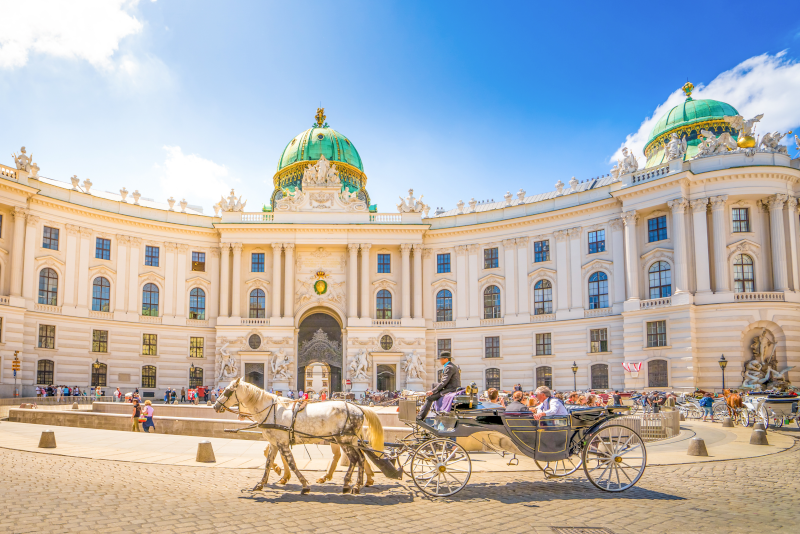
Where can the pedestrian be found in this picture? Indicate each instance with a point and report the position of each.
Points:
(38, 391)
(118, 395)
(97, 392)
(173, 396)
(617, 398)
(183, 394)
(58, 393)
(148, 417)
(707, 402)
(137, 412)
(166, 396)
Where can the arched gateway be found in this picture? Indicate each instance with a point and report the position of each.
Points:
(320, 341)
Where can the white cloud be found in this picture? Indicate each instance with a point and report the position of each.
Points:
(762, 84)
(192, 177)
(89, 30)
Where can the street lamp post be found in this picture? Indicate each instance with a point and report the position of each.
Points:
(16, 367)
(723, 363)
(574, 376)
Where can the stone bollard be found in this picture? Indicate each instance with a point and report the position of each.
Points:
(759, 437)
(697, 447)
(75, 406)
(205, 453)
(727, 422)
(208, 403)
(48, 440)
(759, 426)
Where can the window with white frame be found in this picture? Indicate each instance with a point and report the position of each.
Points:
(743, 274)
(657, 334)
(492, 347)
(542, 297)
(598, 340)
(598, 290)
(741, 220)
(660, 277)
(541, 251)
(491, 302)
(544, 344)
(597, 241)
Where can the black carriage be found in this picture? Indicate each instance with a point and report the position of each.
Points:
(612, 456)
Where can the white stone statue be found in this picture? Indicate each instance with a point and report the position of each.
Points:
(521, 196)
(560, 187)
(508, 198)
(573, 185)
(745, 127)
(348, 196)
(675, 148)
(628, 163)
(323, 173)
(359, 366)
(281, 366)
(23, 161)
(770, 142)
(797, 142)
(411, 204)
(711, 144)
(226, 364)
(413, 366)
(232, 203)
(761, 372)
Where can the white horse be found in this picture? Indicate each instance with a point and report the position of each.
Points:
(318, 422)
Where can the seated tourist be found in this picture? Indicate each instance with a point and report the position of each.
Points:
(516, 404)
(573, 398)
(494, 396)
(549, 406)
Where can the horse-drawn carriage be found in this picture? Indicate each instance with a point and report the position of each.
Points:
(772, 407)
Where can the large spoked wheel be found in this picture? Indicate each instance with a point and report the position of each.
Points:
(614, 458)
(440, 467)
(410, 442)
(560, 468)
(744, 417)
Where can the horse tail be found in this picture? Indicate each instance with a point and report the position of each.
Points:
(375, 428)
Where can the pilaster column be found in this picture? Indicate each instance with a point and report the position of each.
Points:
(473, 270)
(276, 279)
(70, 277)
(778, 240)
(352, 281)
(791, 204)
(721, 282)
(700, 224)
(213, 297)
(236, 285)
(405, 250)
(288, 298)
(510, 296)
(418, 281)
(31, 232)
(17, 250)
(365, 274)
(522, 276)
(461, 282)
(133, 276)
(180, 281)
(122, 267)
(681, 279)
(427, 276)
(629, 219)
(224, 278)
(562, 270)
(169, 280)
(83, 268)
(618, 257)
(575, 281)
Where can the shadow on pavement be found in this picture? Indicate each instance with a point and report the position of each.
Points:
(379, 494)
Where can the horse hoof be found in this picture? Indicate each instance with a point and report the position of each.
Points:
(283, 481)
(277, 470)
(345, 490)
(305, 491)
(258, 487)
(355, 491)
(369, 483)
(321, 480)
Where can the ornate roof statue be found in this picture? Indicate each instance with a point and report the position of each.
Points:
(232, 203)
(23, 161)
(676, 148)
(771, 142)
(320, 117)
(411, 204)
(712, 144)
(321, 174)
(745, 128)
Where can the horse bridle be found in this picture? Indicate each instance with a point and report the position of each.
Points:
(228, 394)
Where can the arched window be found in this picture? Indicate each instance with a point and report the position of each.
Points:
(599, 376)
(99, 373)
(150, 301)
(149, 376)
(197, 304)
(384, 304)
(544, 376)
(743, 279)
(493, 378)
(44, 372)
(542, 297)
(101, 295)
(657, 375)
(48, 287)
(195, 377)
(660, 280)
(598, 290)
(444, 305)
(491, 302)
(258, 306)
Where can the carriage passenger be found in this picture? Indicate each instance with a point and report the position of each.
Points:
(516, 404)
(494, 399)
(548, 406)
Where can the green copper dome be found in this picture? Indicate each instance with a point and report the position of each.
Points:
(309, 145)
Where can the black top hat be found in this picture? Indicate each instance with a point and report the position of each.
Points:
(445, 354)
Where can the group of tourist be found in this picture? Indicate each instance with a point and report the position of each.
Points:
(495, 399)
(192, 395)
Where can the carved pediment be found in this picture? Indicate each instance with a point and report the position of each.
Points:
(102, 269)
(744, 246)
(542, 272)
(597, 264)
(195, 280)
(491, 279)
(151, 276)
(384, 283)
(50, 260)
(443, 282)
(327, 196)
(254, 283)
(657, 254)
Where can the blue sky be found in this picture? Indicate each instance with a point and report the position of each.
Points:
(455, 99)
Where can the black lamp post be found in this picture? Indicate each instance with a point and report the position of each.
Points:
(16, 367)
(723, 363)
(575, 376)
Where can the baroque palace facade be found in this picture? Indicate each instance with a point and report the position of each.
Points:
(642, 278)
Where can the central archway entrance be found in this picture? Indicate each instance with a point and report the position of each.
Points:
(319, 341)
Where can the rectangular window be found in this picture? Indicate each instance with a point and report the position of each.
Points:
(151, 256)
(47, 336)
(384, 263)
(50, 239)
(490, 260)
(102, 249)
(656, 229)
(492, 345)
(443, 263)
(99, 340)
(657, 334)
(196, 345)
(543, 345)
(597, 241)
(741, 220)
(257, 263)
(442, 345)
(541, 251)
(199, 261)
(599, 340)
(149, 344)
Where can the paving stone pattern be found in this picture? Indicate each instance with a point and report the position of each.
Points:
(49, 493)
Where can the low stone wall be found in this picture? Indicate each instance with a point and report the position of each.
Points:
(200, 411)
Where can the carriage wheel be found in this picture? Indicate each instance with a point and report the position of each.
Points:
(560, 468)
(614, 458)
(411, 441)
(744, 417)
(440, 467)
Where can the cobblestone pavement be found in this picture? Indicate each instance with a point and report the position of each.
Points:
(52, 493)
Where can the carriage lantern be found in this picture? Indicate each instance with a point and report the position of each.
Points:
(96, 364)
(574, 376)
(722, 364)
